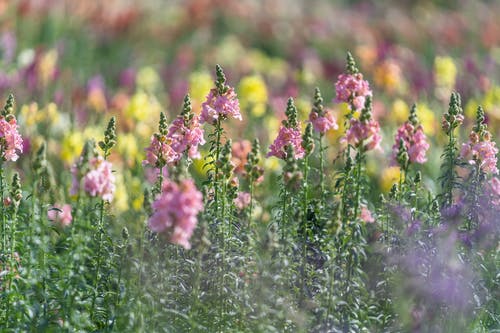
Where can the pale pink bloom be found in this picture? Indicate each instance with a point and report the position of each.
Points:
(287, 136)
(494, 186)
(99, 180)
(352, 89)
(366, 132)
(225, 106)
(175, 211)
(186, 138)
(151, 174)
(366, 215)
(239, 155)
(415, 142)
(242, 200)
(482, 152)
(62, 217)
(11, 143)
(323, 123)
(160, 152)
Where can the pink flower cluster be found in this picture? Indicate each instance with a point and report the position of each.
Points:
(242, 200)
(184, 137)
(415, 142)
(366, 132)
(63, 217)
(287, 136)
(225, 106)
(482, 152)
(160, 152)
(366, 215)
(323, 123)
(176, 210)
(99, 180)
(11, 143)
(352, 89)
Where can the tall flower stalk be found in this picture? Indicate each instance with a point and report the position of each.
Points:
(221, 103)
(99, 175)
(323, 121)
(480, 154)
(450, 122)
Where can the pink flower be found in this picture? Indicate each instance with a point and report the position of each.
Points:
(323, 123)
(352, 89)
(242, 200)
(415, 142)
(186, 137)
(287, 136)
(160, 152)
(176, 210)
(367, 132)
(366, 215)
(494, 187)
(63, 216)
(482, 152)
(225, 106)
(98, 181)
(239, 155)
(11, 143)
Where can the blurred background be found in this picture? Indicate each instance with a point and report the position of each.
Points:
(73, 64)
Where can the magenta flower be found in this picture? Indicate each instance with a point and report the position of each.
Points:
(352, 89)
(176, 210)
(225, 105)
(186, 137)
(11, 143)
(414, 140)
(63, 217)
(160, 152)
(365, 132)
(287, 136)
(98, 181)
(323, 123)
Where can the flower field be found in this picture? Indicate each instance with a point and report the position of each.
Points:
(249, 166)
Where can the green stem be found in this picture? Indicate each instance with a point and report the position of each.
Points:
(321, 170)
(100, 230)
(250, 214)
(305, 227)
(218, 131)
(4, 217)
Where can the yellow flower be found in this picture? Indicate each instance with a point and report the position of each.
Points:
(71, 146)
(50, 113)
(200, 84)
(303, 108)
(120, 200)
(47, 66)
(137, 194)
(127, 147)
(427, 119)
(272, 164)
(30, 115)
(471, 108)
(445, 72)
(147, 79)
(388, 76)
(252, 93)
(143, 107)
(198, 164)
(389, 177)
(399, 111)
(491, 102)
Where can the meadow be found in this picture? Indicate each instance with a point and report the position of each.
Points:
(249, 166)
